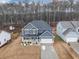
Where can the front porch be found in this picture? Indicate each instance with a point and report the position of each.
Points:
(30, 41)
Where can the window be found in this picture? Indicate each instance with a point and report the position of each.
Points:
(34, 31)
(78, 30)
(4, 39)
(78, 41)
(28, 38)
(24, 38)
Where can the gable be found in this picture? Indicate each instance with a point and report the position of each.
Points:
(29, 26)
(46, 33)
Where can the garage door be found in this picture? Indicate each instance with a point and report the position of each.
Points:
(46, 41)
(71, 39)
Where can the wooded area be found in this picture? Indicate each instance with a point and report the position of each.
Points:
(23, 12)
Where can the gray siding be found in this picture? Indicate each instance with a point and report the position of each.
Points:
(46, 37)
(30, 32)
(35, 29)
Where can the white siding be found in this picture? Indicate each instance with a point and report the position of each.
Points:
(4, 37)
(60, 29)
(71, 37)
(74, 39)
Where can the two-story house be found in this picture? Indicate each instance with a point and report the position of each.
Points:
(68, 30)
(37, 31)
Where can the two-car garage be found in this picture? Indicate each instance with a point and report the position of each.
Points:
(46, 41)
(46, 37)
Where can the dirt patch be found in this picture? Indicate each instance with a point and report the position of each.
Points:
(16, 51)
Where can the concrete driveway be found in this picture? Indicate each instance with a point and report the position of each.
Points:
(75, 46)
(48, 52)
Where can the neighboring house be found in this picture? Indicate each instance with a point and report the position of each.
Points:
(68, 30)
(4, 37)
(37, 31)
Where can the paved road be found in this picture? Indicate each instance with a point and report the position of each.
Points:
(75, 46)
(49, 52)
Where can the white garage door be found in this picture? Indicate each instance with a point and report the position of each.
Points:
(71, 39)
(46, 41)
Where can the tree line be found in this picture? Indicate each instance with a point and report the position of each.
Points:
(54, 11)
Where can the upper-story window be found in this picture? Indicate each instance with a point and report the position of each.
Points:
(78, 41)
(78, 30)
(4, 39)
(30, 31)
(34, 30)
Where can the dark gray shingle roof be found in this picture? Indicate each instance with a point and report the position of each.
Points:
(29, 26)
(40, 25)
(66, 24)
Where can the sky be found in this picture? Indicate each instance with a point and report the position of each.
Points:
(4, 1)
(41, 1)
